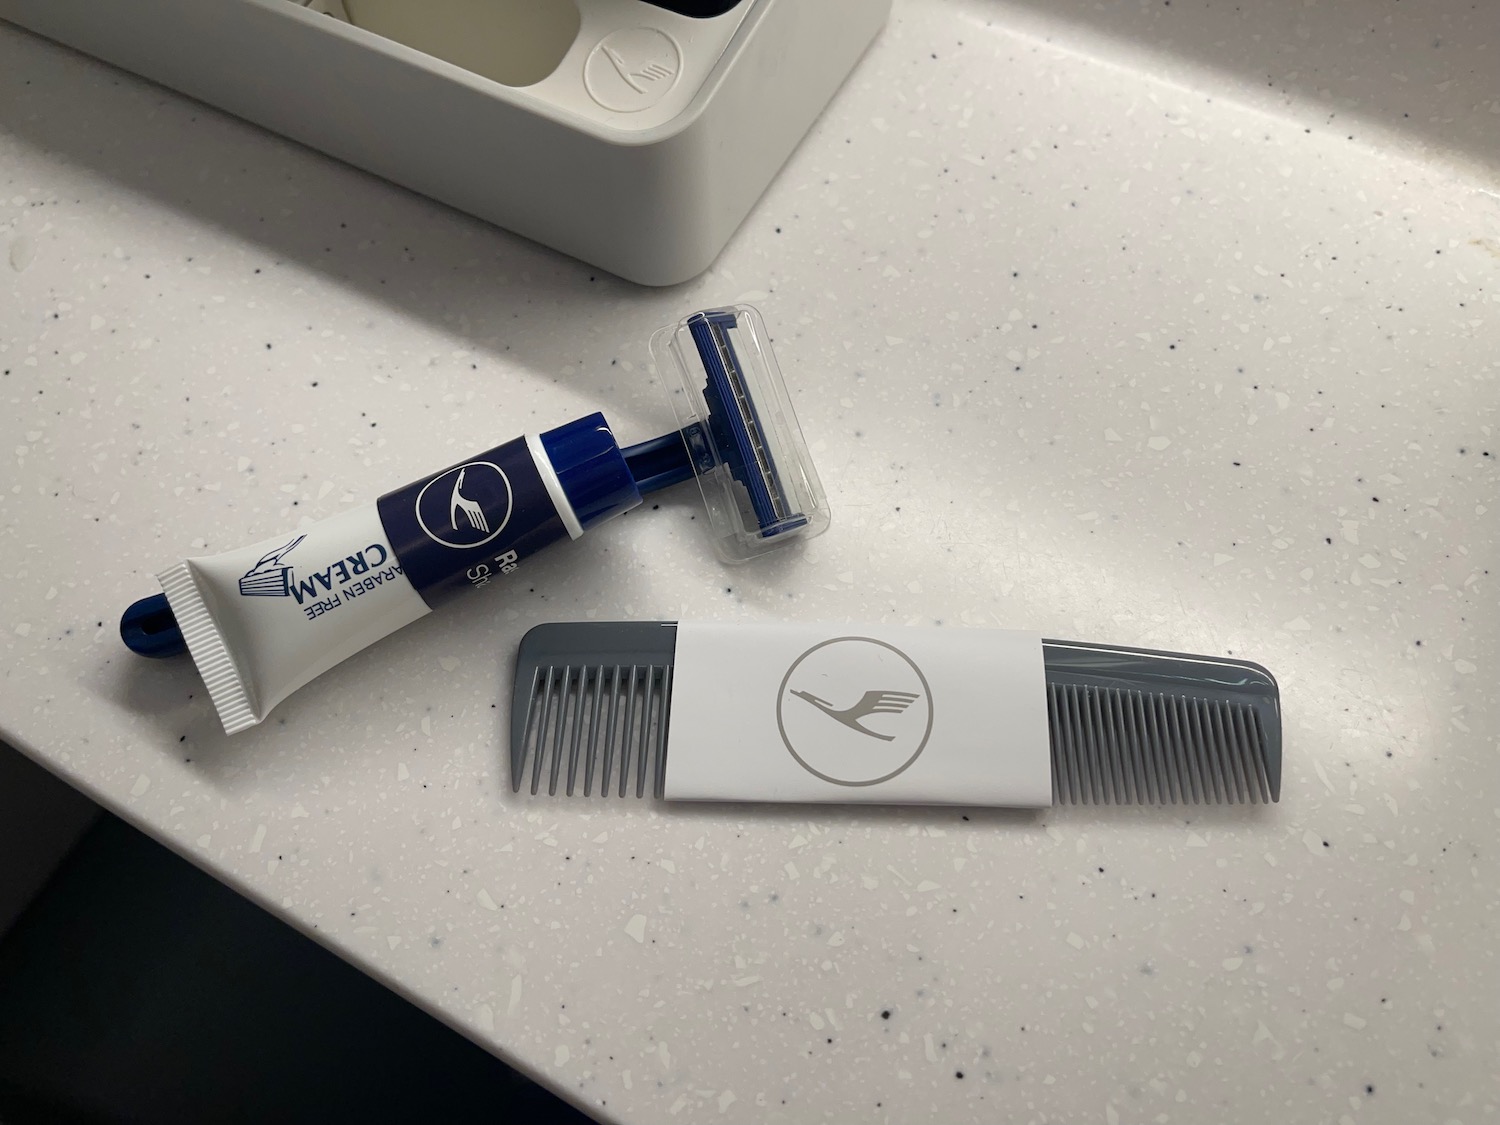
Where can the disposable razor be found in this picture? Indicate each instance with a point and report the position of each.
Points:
(829, 713)
(737, 434)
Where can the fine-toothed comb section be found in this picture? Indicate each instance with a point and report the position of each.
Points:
(1135, 727)
(1127, 726)
(1117, 747)
(589, 710)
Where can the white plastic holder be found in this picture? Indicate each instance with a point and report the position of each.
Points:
(640, 152)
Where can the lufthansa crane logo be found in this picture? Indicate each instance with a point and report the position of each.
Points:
(632, 69)
(854, 711)
(466, 506)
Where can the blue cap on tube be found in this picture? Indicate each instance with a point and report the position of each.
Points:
(591, 469)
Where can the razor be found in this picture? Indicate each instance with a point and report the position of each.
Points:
(736, 434)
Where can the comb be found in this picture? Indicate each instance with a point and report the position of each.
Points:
(592, 701)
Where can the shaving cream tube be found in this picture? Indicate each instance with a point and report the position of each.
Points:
(262, 621)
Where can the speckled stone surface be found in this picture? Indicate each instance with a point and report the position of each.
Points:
(1115, 352)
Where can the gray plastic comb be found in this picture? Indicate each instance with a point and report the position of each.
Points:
(1127, 726)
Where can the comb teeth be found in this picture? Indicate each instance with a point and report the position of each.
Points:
(1127, 726)
(1117, 746)
(601, 725)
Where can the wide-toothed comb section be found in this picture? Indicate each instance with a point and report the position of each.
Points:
(1121, 746)
(596, 728)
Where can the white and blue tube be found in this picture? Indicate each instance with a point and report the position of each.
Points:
(263, 620)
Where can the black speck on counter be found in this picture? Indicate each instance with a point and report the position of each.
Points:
(885, 1014)
(958, 1074)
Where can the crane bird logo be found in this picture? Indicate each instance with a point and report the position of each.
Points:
(472, 510)
(871, 703)
(466, 506)
(653, 71)
(872, 690)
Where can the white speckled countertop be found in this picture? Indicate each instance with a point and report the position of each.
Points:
(1085, 340)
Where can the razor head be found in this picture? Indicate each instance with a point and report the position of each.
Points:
(735, 427)
(743, 441)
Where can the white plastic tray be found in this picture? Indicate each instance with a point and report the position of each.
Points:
(640, 151)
